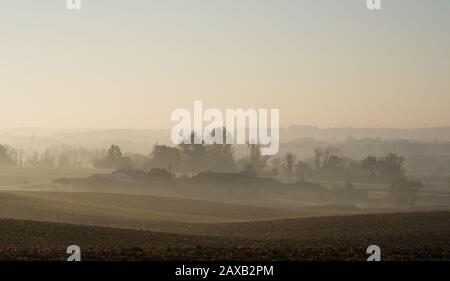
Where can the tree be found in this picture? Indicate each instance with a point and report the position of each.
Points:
(257, 161)
(404, 191)
(193, 155)
(114, 153)
(5, 160)
(333, 163)
(370, 166)
(289, 167)
(301, 170)
(220, 156)
(47, 159)
(321, 157)
(391, 168)
(317, 158)
(277, 166)
(113, 160)
(32, 159)
(163, 156)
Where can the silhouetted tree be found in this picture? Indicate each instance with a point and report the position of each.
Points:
(334, 167)
(114, 153)
(289, 165)
(404, 191)
(113, 160)
(254, 159)
(163, 156)
(301, 170)
(277, 166)
(220, 156)
(391, 168)
(193, 155)
(321, 157)
(47, 159)
(317, 158)
(5, 160)
(370, 166)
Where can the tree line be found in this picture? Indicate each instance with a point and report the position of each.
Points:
(193, 158)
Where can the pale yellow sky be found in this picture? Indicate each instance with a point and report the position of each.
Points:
(129, 64)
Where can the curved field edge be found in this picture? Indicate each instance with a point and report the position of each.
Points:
(406, 236)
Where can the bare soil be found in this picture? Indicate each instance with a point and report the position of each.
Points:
(402, 236)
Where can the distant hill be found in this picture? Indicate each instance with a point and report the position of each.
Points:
(131, 140)
(141, 140)
(340, 134)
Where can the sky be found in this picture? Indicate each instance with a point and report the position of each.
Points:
(130, 63)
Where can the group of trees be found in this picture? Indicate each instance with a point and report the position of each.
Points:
(385, 169)
(324, 165)
(193, 158)
(287, 167)
(61, 156)
(327, 165)
(189, 157)
(113, 160)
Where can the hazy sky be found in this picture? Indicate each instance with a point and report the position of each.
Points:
(130, 63)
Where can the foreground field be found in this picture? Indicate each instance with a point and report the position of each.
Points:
(413, 236)
(38, 222)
